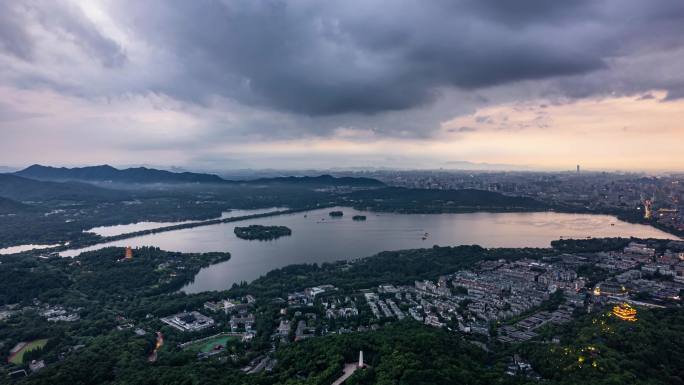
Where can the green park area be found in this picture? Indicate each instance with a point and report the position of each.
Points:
(18, 357)
(208, 345)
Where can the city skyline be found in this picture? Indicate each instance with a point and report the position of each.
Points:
(304, 85)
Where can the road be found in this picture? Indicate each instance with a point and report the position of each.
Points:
(348, 370)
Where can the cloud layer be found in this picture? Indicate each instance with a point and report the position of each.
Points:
(326, 58)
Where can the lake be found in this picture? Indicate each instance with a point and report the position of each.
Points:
(22, 248)
(110, 231)
(316, 237)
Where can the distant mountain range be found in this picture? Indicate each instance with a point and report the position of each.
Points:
(106, 173)
(143, 175)
(322, 180)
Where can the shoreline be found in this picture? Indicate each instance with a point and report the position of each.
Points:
(183, 226)
(209, 222)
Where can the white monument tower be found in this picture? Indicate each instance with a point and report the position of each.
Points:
(360, 359)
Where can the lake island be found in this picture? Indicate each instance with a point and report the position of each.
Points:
(262, 233)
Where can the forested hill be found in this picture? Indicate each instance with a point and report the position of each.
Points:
(143, 175)
(23, 189)
(9, 206)
(407, 200)
(106, 173)
(322, 180)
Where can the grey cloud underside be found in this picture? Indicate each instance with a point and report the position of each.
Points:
(366, 57)
(323, 58)
(13, 37)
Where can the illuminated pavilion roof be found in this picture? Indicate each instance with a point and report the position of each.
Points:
(625, 312)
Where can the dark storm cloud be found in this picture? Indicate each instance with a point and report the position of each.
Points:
(323, 58)
(525, 11)
(356, 58)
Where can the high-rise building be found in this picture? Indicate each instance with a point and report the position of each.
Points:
(578, 169)
(129, 253)
(648, 209)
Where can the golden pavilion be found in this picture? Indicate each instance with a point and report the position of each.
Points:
(625, 312)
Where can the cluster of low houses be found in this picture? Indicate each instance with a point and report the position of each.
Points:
(242, 318)
(52, 313)
(641, 277)
(470, 300)
(60, 314)
(308, 296)
(336, 307)
(473, 298)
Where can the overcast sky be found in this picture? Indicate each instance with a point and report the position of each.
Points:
(316, 84)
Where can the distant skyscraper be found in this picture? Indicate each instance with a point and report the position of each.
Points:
(578, 169)
(648, 211)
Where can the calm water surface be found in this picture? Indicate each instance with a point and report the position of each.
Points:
(109, 231)
(22, 248)
(318, 238)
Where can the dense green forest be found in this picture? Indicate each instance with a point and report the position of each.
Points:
(600, 349)
(9, 206)
(99, 273)
(407, 353)
(404, 200)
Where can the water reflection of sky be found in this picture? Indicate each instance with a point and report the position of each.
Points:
(22, 248)
(577, 223)
(109, 231)
(318, 238)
